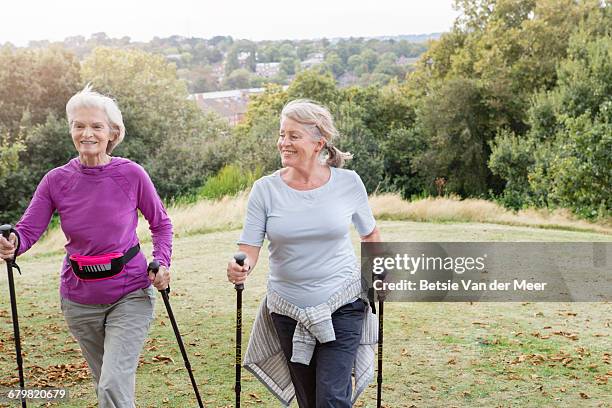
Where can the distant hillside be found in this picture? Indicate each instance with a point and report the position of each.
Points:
(413, 38)
(224, 63)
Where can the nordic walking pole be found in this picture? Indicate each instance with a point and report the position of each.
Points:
(379, 377)
(6, 232)
(154, 267)
(239, 257)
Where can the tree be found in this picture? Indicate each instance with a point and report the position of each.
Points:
(565, 157)
(458, 128)
(36, 84)
(238, 79)
(334, 64)
(311, 85)
(163, 127)
(289, 65)
(9, 157)
(37, 81)
(253, 142)
(242, 54)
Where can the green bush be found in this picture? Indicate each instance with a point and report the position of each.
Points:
(230, 180)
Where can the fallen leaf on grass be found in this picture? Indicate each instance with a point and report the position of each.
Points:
(566, 361)
(255, 397)
(535, 359)
(161, 358)
(540, 336)
(582, 351)
(571, 336)
(59, 375)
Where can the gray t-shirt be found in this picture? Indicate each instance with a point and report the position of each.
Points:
(311, 254)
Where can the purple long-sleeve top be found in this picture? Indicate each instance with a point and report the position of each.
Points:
(98, 209)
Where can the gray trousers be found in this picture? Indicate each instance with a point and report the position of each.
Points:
(111, 337)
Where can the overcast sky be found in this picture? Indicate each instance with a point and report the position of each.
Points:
(25, 20)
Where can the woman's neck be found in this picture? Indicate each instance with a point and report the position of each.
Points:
(302, 178)
(92, 161)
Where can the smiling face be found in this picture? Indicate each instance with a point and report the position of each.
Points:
(91, 132)
(297, 148)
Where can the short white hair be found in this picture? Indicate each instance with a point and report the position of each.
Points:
(88, 98)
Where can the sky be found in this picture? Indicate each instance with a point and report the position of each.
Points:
(25, 20)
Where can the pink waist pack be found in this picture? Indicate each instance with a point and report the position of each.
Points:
(98, 267)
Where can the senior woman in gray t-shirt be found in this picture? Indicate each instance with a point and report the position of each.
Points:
(312, 325)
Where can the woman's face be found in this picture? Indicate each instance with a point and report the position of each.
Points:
(296, 146)
(90, 131)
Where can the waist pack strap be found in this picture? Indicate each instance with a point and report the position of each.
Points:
(131, 253)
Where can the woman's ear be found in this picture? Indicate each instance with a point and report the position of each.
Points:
(114, 134)
(321, 144)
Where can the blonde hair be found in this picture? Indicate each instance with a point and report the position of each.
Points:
(321, 124)
(88, 98)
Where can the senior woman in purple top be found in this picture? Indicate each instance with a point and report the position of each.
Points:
(106, 293)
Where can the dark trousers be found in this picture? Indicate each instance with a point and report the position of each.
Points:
(326, 381)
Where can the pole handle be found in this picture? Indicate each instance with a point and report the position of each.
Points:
(239, 257)
(6, 230)
(154, 267)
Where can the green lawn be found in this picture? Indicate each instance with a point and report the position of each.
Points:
(436, 354)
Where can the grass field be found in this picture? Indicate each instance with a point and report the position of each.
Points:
(436, 354)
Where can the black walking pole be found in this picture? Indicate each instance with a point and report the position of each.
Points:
(239, 257)
(379, 378)
(154, 267)
(6, 232)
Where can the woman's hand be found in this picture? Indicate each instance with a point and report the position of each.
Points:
(237, 274)
(7, 247)
(161, 280)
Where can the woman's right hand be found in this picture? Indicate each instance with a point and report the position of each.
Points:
(237, 274)
(7, 247)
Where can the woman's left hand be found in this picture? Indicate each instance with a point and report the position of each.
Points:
(161, 280)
